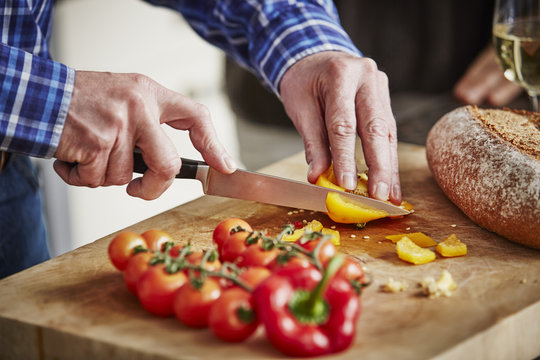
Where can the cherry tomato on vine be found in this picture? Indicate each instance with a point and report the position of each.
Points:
(226, 227)
(155, 239)
(351, 270)
(300, 261)
(136, 266)
(254, 275)
(122, 246)
(234, 246)
(326, 251)
(255, 255)
(232, 317)
(192, 305)
(156, 289)
(195, 258)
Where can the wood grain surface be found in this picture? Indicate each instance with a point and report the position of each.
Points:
(76, 306)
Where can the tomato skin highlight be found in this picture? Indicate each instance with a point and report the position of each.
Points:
(191, 306)
(224, 319)
(156, 289)
(136, 266)
(155, 239)
(121, 248)
(224, 229)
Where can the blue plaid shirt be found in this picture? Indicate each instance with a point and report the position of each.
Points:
(267, 37)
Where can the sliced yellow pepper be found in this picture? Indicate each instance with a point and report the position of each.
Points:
(418, 238)
(343, 210)
(335, 238)
(451, 247)
(408, 251)
(312, 226)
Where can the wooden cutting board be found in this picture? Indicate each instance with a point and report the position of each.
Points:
(75, 306)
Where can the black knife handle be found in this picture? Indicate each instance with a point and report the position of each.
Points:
(187, 171)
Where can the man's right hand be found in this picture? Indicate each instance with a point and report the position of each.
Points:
(110, 114)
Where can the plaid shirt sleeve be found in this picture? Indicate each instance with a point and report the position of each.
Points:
(34, 90)
(269, 36)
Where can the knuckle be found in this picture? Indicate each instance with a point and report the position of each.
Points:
(168, 168)
(376, 127)
(201, 112)
(342, 128)
(369, 65)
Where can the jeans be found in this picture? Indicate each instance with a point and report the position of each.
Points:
(23, 241)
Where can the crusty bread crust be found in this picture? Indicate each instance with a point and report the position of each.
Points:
(488, 163)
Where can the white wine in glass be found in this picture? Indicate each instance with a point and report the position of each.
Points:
(516, 38)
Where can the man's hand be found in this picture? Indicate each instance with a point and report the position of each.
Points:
(331, 97)
(484, 82)
(111, 114)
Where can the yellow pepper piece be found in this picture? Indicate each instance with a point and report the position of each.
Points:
(312, 226)
(418, 238)
(343, 210)
(297, 234)
(408, 251)
(451, 247)
(327, 180)
(334, 235)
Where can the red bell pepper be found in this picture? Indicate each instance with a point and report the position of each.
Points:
(306, 313)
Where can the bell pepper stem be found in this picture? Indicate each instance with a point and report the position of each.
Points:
(309, 306)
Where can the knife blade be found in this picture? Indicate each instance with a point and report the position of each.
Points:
(268, 189)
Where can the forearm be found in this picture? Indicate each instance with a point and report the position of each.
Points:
(35, 94)
(266, 37)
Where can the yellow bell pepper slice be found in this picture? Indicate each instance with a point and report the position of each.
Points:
(313, 226)
(343, 210)
(418, 238)
(408, 251)
(451, 247)
(327, 180)
(335, 238)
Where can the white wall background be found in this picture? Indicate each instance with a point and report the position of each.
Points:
(130, 36)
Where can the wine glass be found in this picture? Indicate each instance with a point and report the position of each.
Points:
(516, 38)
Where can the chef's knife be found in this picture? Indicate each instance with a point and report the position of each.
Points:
(249, 185)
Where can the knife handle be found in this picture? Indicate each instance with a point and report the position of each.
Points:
(187, 171)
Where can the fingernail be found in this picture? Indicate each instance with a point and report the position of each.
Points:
(381, 191)
(396, 192)
(347, 181)
(229, 161)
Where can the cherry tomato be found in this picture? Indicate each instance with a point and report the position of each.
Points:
(234, 246)
(122, 246)
(254, 275)
(300, 261)
(136, 266)
(175, 250)
(231, 317)
(192, 305)
(195, 258)
(326, 251)
(255, 255)
(226, 227)
(156, 289)
(155, 239)
(351, 270)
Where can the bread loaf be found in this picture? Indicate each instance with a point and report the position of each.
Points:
(488, 163)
